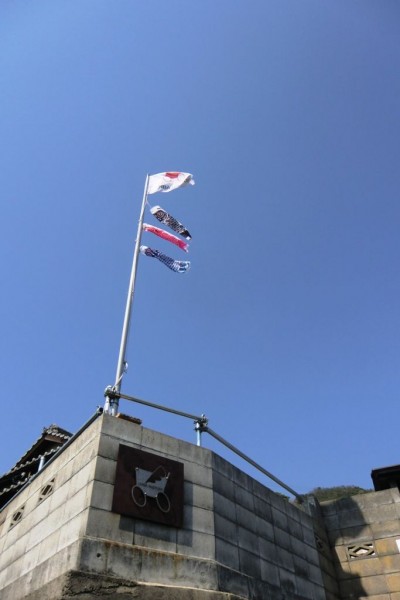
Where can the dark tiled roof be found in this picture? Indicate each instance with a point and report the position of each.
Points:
(49, 442)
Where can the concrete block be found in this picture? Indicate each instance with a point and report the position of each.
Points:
(242, 480)
(190, 453)
(393, 582)
(379, 514)
(385, 529)
(42, 530)
(284, 559)
(261, 492)
(310, 554)
(15, 551)
(371, 499)
(282, 539)
(262, 589)
(73, 531)
(105, 470)
(199, 496)
(309, 537)
(224, 506)
(122, 430)
(59, 497)
(158, 443)
(264, 529)
(295, 529)
(269, 573)
(332, 522)
(47, 548)
(198, 474)
(278, 502)
(77, 503)
(386, 546)
(89, 437)
(195, 573)
(247, 540)
(319, 593)
(225, 529)
(227, 554)
(155, 536)
(222, 467)
(108, 447)
(301, 567)
(232, 582)
(13, 535)
(351, 518)
(395, 494)
(343, 571)
(307, 521)
(93, 555)
(315, 576)
(223, 485)
(124, 561)
(109, 526)
(390, 564)
(356, 588)
(355, 534)
(102, 495)
(376, 585)
(244, 497)
(245, 518)
(267, 551)
(198, 519)
(201, 545)
(288, 582)
(249, 563)
(279, 519)
(82, 477)
(262, 508)
(364, 567)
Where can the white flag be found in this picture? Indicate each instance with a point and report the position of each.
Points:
(166, 182)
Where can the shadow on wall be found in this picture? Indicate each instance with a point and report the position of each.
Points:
(352, 546)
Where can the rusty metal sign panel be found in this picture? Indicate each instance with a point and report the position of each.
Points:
(148, 487)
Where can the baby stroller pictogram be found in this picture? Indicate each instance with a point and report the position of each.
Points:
(151, 484)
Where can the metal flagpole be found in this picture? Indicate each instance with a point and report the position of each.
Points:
(111, 404)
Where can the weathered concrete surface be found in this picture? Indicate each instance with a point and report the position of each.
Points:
(79, 585)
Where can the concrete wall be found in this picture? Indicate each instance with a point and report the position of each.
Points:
(46, 541)
(238, 540)
(364, 532)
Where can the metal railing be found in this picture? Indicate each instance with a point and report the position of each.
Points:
(201, 426)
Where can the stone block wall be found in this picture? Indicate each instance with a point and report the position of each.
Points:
(41, 528)
(264, 545)
(364, 532)
(239, 540)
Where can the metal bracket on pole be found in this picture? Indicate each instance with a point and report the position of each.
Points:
(200, 425)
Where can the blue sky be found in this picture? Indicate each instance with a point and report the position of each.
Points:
(286, 330)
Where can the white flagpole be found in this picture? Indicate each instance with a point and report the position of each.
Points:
(111, 405)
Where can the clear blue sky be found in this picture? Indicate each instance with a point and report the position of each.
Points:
(286, 330)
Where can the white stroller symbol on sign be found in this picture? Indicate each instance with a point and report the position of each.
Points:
(151, 484)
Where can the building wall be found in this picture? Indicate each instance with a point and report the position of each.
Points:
(364, 532)
(46, 541)
(238, 539)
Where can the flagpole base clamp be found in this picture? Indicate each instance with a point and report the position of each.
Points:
(200, 425)
(112, 396)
